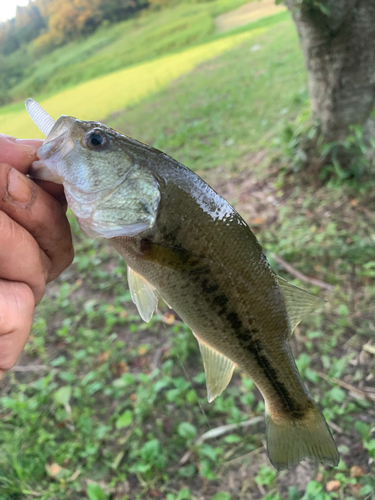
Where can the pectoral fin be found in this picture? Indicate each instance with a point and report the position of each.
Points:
(218, 369)
(143, 295)
(298, 302)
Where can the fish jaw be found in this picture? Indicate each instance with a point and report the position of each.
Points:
(45, 172)
(52, 152)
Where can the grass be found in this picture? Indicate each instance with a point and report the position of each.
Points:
(202, 124)
(119, 89)
(116, 406)
(145, 37)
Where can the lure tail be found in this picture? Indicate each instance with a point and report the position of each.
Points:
(290, 441)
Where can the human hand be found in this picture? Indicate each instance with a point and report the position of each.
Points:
(35, 243)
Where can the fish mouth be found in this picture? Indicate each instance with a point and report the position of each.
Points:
(56, 146)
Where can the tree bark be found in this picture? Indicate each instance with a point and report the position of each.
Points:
(338, 42)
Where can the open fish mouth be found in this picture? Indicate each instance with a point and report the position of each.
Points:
(54, 149)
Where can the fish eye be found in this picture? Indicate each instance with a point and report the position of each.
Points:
(96, 139)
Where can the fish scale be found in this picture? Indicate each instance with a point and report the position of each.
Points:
(184, 242)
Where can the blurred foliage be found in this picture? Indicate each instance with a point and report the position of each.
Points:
(72, 19)
(123, 88)
(68, 52)
(61, 21)
(68, 20)
(22, 29)
(43, 25)
(12, 70)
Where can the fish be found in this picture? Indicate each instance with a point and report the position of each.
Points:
(183, 242)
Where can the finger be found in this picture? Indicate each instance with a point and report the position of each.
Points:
(16, 316)
(19, 153)
(21, 259)
(40, 214)
(36, 143)
(56, 190)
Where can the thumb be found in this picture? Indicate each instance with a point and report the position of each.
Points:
(16, 316)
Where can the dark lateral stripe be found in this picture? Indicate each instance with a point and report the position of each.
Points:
(176, 258)
(246, 338)
(198, 268)
(289, 403)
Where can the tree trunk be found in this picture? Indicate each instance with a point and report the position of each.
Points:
(338, 42)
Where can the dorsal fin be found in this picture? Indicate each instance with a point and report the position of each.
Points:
(143, 295)
(218, 369)
(298, 302)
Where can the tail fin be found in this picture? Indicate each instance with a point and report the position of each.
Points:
(290, 441)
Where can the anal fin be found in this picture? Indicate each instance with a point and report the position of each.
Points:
(143, 295)
(218, 369)
(298, 302)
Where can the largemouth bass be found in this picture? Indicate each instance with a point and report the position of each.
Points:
(185, 243)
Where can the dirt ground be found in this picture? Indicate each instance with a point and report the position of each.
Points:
(248, 13)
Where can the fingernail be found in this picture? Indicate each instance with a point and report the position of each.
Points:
(19, 188)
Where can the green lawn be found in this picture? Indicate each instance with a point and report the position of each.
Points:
(228, 106)
(115, 406)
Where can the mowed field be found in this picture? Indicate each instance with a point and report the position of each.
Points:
(106, 407)
(97, 98)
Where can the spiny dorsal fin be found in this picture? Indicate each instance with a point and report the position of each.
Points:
(298, 302)
(218, 369)
(143, 295)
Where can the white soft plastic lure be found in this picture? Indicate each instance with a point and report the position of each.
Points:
(39, 116)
